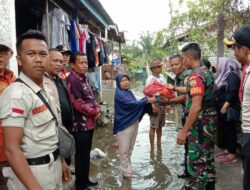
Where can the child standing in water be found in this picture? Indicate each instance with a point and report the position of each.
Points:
(128, 111)
(157, 120)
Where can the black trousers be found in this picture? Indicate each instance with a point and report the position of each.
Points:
(3, 180)
(220, 132)
(231, 136)
(246, 160)
(83, 143)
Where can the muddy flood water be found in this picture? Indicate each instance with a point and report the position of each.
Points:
(151, 170)
(156, 171)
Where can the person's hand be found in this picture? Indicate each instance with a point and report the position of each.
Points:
(155, 109)
(98, 116)
(151, 99)
(66, 172)
(181, 137)
(170, 86)
(223, 109)
(165, 101)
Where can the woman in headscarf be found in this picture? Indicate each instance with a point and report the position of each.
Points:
(128, 112)
(227, 90)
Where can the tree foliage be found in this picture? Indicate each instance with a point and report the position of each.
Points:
(200, 22)
(149, 46)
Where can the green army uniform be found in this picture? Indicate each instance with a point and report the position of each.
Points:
(201, 165)
(181, 80)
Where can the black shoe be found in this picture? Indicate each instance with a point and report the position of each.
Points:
(91, 183)
(184, 175)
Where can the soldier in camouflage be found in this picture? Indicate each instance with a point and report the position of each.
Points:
(200, 125)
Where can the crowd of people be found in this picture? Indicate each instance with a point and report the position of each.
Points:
(211, 106)
(52, 89)
(44, 96)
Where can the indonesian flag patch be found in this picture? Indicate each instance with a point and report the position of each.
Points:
(17, 112)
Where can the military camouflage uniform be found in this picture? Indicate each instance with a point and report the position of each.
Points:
(201, 165)
(181, 80)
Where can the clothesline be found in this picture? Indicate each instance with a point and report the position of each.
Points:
(87, 28)
(53, 2)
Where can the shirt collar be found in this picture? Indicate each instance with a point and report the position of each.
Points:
(248, 69)
(8, 74)
(29, 82)
(52, 77)
(80, 77)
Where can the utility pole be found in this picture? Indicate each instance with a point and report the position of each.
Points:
(220, 31)
(170, 11)
(172, 31)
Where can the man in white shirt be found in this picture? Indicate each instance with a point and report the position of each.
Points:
(240, 43)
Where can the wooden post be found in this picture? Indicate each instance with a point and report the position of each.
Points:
(47, 20)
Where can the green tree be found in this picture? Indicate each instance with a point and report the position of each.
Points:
(148, 46)
(207, 20)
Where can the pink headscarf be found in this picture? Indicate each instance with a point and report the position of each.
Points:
(225, 66)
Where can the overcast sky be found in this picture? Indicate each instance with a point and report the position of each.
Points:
(134, 16)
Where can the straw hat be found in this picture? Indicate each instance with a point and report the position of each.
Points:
(155, 63)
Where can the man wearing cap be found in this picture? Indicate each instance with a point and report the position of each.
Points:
(66, 53)
(30, 131)
(6, 78)
(157, 120)
(240, 42)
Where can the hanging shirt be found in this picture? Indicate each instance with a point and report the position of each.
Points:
(59, 27)
(84, 36)
(91, 51)
(75, 37)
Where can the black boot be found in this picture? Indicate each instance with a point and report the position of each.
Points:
(210, 185)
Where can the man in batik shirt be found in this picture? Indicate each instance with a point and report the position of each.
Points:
(86, 112)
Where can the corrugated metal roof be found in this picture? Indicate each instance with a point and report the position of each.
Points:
(96, 8)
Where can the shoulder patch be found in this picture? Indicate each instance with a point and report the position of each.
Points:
(192, 77)
(193, 83)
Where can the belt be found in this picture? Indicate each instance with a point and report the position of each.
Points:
(43, 159)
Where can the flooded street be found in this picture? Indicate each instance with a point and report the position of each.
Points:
(156, 170)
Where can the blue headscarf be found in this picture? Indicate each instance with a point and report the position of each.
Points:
(127, 109)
